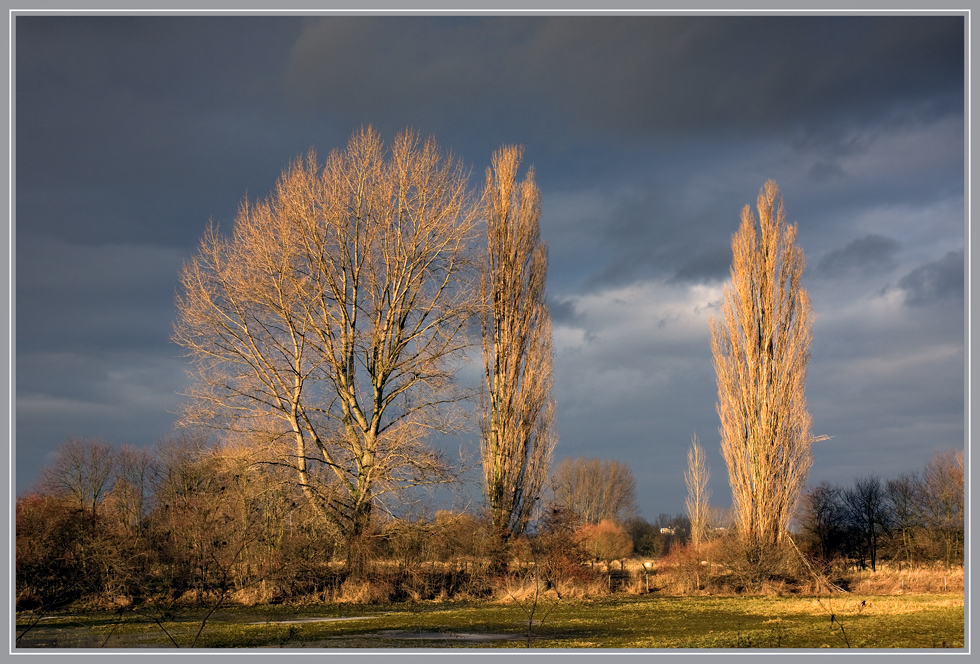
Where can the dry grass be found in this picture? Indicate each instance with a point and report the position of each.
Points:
(893, 580)
(260, 593)
(587, 590)
(717, 572)
(355, 591)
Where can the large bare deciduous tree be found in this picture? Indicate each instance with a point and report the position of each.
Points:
(518, 412)
(595, 489)
(696, 476)
(333, 316)
(761, 349)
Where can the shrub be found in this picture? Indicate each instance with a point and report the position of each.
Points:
(559, 553)
(605, 541)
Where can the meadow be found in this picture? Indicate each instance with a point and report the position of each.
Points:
(615, 621)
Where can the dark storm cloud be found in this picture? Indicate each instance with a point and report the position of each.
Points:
(114, 111)
(645, 227)
(94, 357)
(648, 136)
(116, 297)
(867, 255)
(935, 281)
(711, 264)
(619, 76)
(562, 311)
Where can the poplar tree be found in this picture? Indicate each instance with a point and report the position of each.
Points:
(518, 412)
(761, 348)
(698, 494)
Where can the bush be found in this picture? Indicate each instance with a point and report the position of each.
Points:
(560, 555)
(605, 541)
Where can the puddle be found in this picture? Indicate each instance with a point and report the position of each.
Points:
(443, 636)
(298, 621)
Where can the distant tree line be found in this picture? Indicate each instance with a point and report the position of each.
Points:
(912, 518)
(189, 520)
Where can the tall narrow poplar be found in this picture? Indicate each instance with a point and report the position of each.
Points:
(518, 412)
(761, 349)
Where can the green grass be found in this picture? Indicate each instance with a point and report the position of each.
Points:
(908, 621)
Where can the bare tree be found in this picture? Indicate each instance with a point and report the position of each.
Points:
(333, 315)
(943, 500)
(904, 497)
(135, 469)
(823, 519)
(761, 351)
(82, 473)
(595, 489)
(518, 411)
(867, 514)
(698, 494)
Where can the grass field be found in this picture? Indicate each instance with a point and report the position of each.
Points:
(647, 621)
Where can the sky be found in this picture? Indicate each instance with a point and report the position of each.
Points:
(647, 134)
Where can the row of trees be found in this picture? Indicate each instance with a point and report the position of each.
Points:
(143, 526)
(140, 523)
(189, 519)
(913, 517)
(336, 313)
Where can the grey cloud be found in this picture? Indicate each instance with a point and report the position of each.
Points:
(562, 310)
(887, 383)
(106, 299)
(708, 265)
(666, 230)
(94, 356)
(122, 396)
(822, 171)
(621, 75)
(867, 255)
(936, 280)
(129, 129)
